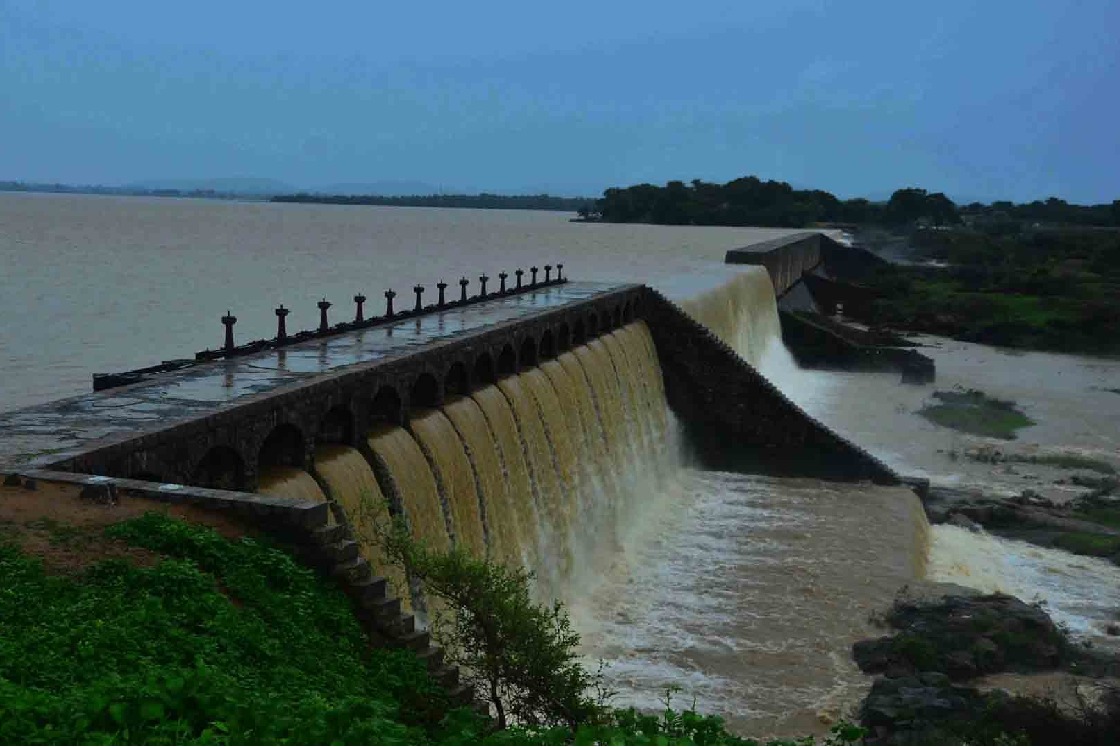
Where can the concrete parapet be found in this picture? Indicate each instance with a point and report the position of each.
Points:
(786, 258)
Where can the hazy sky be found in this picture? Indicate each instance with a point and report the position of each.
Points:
(982, 99)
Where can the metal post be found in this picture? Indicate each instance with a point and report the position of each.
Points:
(548, 273)
(281, 327)
(359, 300)
(419, 291)
(482, 280)
(463, 289)
(229, 321)
(559, 271)
(502, 277)
(534, 271)
(519, 273)
(442, 287)
(323, 306)
(389, 296)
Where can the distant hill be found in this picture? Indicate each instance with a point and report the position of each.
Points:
(225, 185)
(381, 188)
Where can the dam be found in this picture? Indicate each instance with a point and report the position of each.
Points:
(535, 426)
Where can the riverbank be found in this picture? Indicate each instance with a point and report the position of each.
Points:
(964, 667)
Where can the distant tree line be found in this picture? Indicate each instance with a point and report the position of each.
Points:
(484, 200)
(98, 189)
(749, 201)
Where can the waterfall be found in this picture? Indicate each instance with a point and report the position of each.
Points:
(408, 480)
(351, 483)
(742, 312)
(289, 482)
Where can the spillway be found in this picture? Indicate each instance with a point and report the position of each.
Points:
(573, 468)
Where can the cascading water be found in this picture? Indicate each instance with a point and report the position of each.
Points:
(290, 482)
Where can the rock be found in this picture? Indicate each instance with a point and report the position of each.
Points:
(1112, 629)
(962, 521)
(12, 481)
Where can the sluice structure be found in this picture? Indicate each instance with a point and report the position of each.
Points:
(525, 425)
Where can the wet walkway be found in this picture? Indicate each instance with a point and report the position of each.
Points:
(47, 433)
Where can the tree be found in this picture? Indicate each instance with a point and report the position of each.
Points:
(521, 656)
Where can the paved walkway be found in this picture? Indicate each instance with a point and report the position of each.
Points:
(41, 434)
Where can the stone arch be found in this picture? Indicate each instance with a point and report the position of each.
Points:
(563, 338)
(547, 347)
(528, 353)
(484, 372)
(424, 392)
(507, 361)
(222, 468)
(337, 426)
(386, 407)
(628, 312)
(283, 447)
(456, 382)
(616, 317)
(592, 325)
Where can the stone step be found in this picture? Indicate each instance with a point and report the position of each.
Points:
(417, 640)
(342, 551)
(328, 535)
(354, 571)
(432, 658)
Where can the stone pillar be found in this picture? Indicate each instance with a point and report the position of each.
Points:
(482, 281)
(519, 272)
(442, 287)
(463, 289)
(389, 296)
(229, 321)
(419, 291)
(323, 306)
(533, 270)
(281, 327)
(548, 273)
(359, 300)
(559, 271)
(502, 279)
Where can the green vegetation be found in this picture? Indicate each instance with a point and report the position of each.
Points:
(231, 642)
(749, 201)
(220, 642)
(1089, 543)
(484, 200)
(974, 412)
(1045, 288)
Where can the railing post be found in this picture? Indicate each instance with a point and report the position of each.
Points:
(359, 300)
(519, 272)
(323, 306)
(548, 273)
(419, 291)
(534, 281)
(389, 296)
(559, 271)
(442, 287)
(281, 327)
(502, 278)
(482, 281)
(463, 289)
(229, 320)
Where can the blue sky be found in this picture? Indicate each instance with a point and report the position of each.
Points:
(983, 99)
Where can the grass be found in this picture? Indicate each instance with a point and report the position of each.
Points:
(1109, 517)
(974, 412)
(1089, 543)
(1068, 461)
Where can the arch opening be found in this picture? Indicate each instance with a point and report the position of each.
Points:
(547, 348)
(337, 426)
(424, 392)
(579, 333)
(628, 313)
(284, 447)
(507, 361)
(592, 325)
(456, 382)
(221, 468)
(484, 369)
(563, 338)
(528, 355)
(386, 407)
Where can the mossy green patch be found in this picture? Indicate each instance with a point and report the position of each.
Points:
(974, 412)
(1089, 543)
